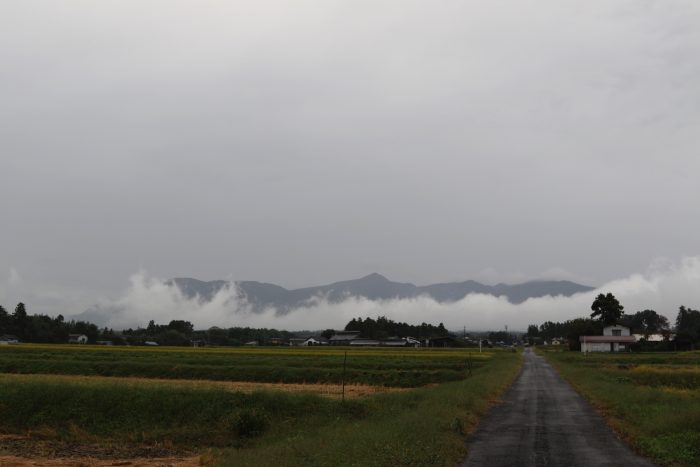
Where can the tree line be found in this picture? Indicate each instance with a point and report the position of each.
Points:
(383, 327)
(42, 328)
(607, 310)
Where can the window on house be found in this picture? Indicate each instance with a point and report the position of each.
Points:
(617, 332)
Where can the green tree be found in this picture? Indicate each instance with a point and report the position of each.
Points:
(181, 326)
(172, 337)
(217, 336)
(606, 309)
(688, 325)
(652, 322)
(19, 321)
(5, 320)
(533, 330)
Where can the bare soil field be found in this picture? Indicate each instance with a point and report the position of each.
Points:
(25, 451)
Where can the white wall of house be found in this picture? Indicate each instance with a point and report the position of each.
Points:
(610, 330)
(602, 347)
(595, 347)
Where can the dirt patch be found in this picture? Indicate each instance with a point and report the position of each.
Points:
(326, 390)
(17, 450)
(14, 461)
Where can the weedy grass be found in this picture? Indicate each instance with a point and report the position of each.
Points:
(652, 400)
(422, 427)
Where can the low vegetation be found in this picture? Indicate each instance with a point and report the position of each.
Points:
(399, 368)
(421, 426)
(650, 399)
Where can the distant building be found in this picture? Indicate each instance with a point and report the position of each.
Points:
(655, 337)
(7, 339)
(393, 342)
(77, 339)
(615, 338)
(315, 340)
(364, 342)
(344, 337)
(412, 341)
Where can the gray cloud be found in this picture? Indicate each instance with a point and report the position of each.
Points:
(305, 142)
(664, 286)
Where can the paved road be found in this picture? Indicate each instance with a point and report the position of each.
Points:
(544, 422)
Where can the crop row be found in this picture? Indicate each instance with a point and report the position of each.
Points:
(383, 369)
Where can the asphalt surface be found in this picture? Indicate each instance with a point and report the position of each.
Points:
(544, 422)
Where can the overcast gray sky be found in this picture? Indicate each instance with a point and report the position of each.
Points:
(303, 142)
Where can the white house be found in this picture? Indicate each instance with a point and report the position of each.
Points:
(7, 339)
(315, 341)
(77, 339)
(412, 341)
(615, 338)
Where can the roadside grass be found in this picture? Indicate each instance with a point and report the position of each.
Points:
(651, 400)
(422, 426)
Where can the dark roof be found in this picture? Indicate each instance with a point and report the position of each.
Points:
(620, 339)
(344, 337)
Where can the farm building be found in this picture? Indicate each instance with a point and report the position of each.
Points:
(77, 339)
(362, 342)
(7, 339)
(344, 337)
(316, 340)
(394, 342)
(615, 338)
(655, 337)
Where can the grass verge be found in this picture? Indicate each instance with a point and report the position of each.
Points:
(659, 417)
(425, 427)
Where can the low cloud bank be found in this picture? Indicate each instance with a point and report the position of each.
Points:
(663, 287)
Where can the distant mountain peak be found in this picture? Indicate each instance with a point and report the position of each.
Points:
(375, 276)
(373, 286)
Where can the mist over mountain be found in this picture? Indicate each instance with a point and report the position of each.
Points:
(261, 296)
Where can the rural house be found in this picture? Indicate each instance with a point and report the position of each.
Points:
(6, 339)
(77, 339)
(344, 337)
(615, 338)
(316, 340)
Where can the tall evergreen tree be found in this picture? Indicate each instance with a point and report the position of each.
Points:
(607, 309)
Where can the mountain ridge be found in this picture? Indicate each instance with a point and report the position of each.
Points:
(262, 295)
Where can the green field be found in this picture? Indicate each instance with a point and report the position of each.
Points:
(651, 399)
(390, 367)
(48, 394)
